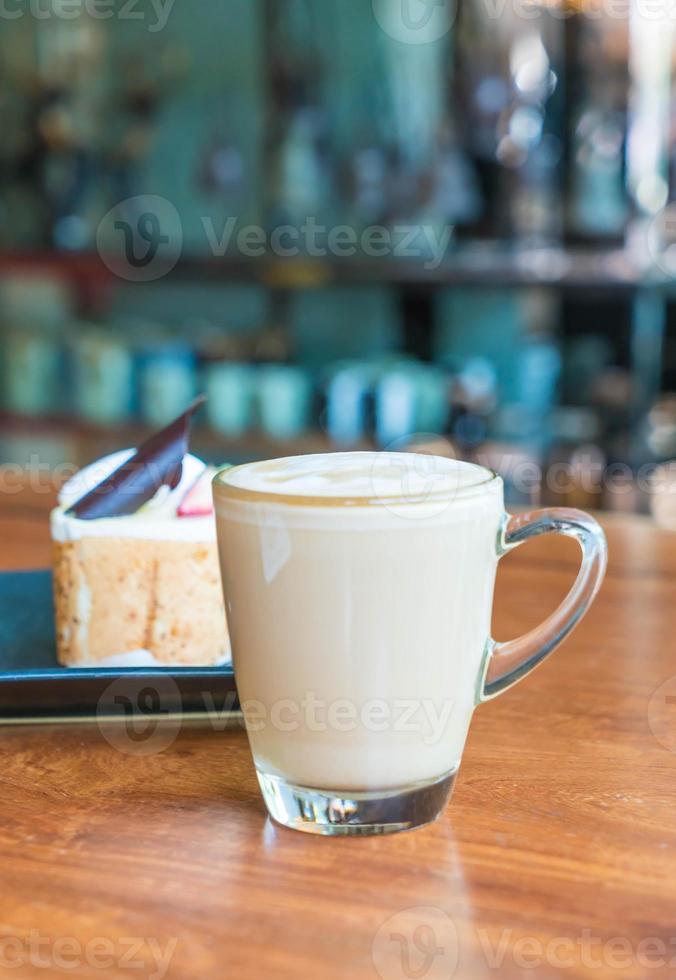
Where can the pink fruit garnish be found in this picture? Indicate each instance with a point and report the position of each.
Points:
(198, 501)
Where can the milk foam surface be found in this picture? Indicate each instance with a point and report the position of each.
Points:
(358, 475)
(360, 491)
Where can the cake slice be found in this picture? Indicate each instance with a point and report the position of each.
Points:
(142, 588)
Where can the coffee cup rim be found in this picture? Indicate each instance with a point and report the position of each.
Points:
(226, 490)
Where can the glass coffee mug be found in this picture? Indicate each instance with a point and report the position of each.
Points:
(358, 589)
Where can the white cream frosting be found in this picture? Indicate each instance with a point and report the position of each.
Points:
(157, 520)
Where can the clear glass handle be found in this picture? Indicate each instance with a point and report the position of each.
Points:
(508, 662)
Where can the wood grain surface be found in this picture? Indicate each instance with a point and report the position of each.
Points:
(556, 857)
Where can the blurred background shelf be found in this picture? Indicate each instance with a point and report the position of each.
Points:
(480, 265)
(87, 441)
(74, 443)
(529, 162)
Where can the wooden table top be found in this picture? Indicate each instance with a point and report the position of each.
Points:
(556, 857)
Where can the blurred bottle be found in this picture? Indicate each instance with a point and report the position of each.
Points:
(597, 79)
(34, 310)
(366, 184)
(168, 382)
(539, 372)
(530, 134)
(532, 391)
(474, 396)
(230, 389)
(433, 399)
(395, 405)
(304, 185)
(414, 77)
(411, 399)
(32, 372)
(347, 394)
(299, 180)
(229, 380)
(659, 428)
(508, 94)
(223, 171)
(103, 375)
(284, 396)
(457, 196)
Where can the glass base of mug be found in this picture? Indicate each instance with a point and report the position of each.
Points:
(318, 811)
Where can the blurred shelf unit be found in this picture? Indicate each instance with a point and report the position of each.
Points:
(473, 266)
(551, 131)
(538, 148)
(73, 444)
(82, 441)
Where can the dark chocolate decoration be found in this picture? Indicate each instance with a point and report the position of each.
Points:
(158, 462)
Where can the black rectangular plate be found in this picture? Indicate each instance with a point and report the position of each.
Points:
(33, 687)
